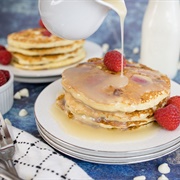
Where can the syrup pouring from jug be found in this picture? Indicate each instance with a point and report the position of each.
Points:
(79, 19)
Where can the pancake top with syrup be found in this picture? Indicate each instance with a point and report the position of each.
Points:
(90, 83)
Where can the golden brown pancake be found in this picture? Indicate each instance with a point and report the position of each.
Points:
(34, 38)
(91, 98)
(33, 50)
(48, 61)
(48, 51)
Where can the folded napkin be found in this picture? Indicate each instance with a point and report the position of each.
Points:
(34, 159)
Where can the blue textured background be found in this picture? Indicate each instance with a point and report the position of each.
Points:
(16, 15)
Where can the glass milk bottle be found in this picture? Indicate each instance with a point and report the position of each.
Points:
(160, 43)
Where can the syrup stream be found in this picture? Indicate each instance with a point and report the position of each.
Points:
(120, 8)
(122, 44)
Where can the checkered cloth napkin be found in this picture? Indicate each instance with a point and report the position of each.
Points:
(34, 159)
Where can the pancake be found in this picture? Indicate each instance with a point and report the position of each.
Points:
(34, 38)
(38, 60)
(48, 51)
(91, 98)
(48, 61)
(32, 50)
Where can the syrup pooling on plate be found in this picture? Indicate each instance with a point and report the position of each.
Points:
(120, 8)
(95, 134)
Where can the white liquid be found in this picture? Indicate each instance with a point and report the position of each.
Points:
(86, 132)
(119, 7)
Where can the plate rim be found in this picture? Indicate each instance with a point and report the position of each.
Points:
(109, 153)
(109, 160)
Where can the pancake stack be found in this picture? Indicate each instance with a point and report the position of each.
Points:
(91, 98)
(37, 49)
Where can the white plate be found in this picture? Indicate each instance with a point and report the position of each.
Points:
(37, 79)
(106, 159)
(92, 49)
(124, 154)
(46, 120)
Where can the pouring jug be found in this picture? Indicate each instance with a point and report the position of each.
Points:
(77, 19)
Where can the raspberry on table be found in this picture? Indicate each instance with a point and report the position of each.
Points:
(5, 57)
(113, 61)
(168, 117)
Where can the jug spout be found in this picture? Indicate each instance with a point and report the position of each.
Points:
(72, 19)
(118, 6)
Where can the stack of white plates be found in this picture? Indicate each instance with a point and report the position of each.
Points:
(45, 76)
(161, 143)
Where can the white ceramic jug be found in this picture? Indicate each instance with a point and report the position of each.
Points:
(76, 19)
(72, 19)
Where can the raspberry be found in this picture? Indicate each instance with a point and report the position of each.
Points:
(112, 60)
(5, 57)
(41, 24)
(46, 33)
(175, 100)
(168, 117)
(3, 79)
(6, 73)
(2, 47)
